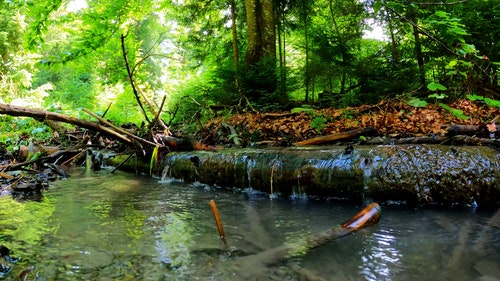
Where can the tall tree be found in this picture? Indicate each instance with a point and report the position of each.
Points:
(260, 56)
(261, 31)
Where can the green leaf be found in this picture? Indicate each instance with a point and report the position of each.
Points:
(452, 63)
(456, 112)
(416, 102)
(319, 124)
(474, 97)
(469, 48)
(441, 14)
(492, 102)
(436, 86)
(154, 159)
(376, 6)
(438, 96)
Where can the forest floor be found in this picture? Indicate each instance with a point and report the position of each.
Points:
(462, 122)
(390, 119)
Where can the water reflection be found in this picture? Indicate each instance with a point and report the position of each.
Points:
(121, 227)
(381, 260)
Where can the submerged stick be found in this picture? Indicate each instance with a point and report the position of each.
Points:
(215, 211)
(370, 215)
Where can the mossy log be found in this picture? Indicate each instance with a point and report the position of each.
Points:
(412, 174)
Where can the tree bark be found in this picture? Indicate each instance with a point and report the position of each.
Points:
(418, 46)
(369, 131)
(261, 32)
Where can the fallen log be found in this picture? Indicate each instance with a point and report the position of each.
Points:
(473, 130)
(43, 115)
(370, 215)
(368, 131)
(469, 130)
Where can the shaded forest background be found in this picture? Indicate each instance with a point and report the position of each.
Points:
(195, 59)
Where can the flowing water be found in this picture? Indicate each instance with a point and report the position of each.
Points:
(125, 227)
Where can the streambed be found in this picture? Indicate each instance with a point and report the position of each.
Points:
(119, 226)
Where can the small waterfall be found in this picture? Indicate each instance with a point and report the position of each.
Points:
(166, 174)
(298, 191)
(250, 163)
(276, 170)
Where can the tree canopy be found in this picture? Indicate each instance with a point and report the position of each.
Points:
(266, 55)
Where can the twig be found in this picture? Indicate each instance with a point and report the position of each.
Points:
(131, 78)
(107, 109)
(217, 221)
(119, 130)
(123, 162)
(157, 115)
(73, 158)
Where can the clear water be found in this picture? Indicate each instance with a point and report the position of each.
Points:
(126, 227)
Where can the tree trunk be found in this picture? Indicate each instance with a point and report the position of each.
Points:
(235, 37)
(280, 13)
(418, 46)
(308, 72)
(395, 53)
(260, 57)
(261, 31)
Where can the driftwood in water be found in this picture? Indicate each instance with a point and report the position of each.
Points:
(370, 215)
(369, 131)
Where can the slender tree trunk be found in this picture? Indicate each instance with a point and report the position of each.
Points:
(395, 53)
(268, 29)
(420, 57)
(236, 55)
(281, 50)
(341, 42)
(235, 36)
(307, 72)
(418, 46)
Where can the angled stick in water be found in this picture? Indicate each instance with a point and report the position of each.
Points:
(215, 211)
(370, 215)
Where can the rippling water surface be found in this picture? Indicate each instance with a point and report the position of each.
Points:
(125, 227)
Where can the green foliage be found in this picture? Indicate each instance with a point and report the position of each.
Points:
(487, 101)
(416, 102)
(154, 160)
(183, 50)
(456, 112)
(16, 131)
(437, 96)
(318, 124)
(307, 110)
(435, 87)
(451, 30)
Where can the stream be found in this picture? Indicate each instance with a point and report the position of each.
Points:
(120, 226)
